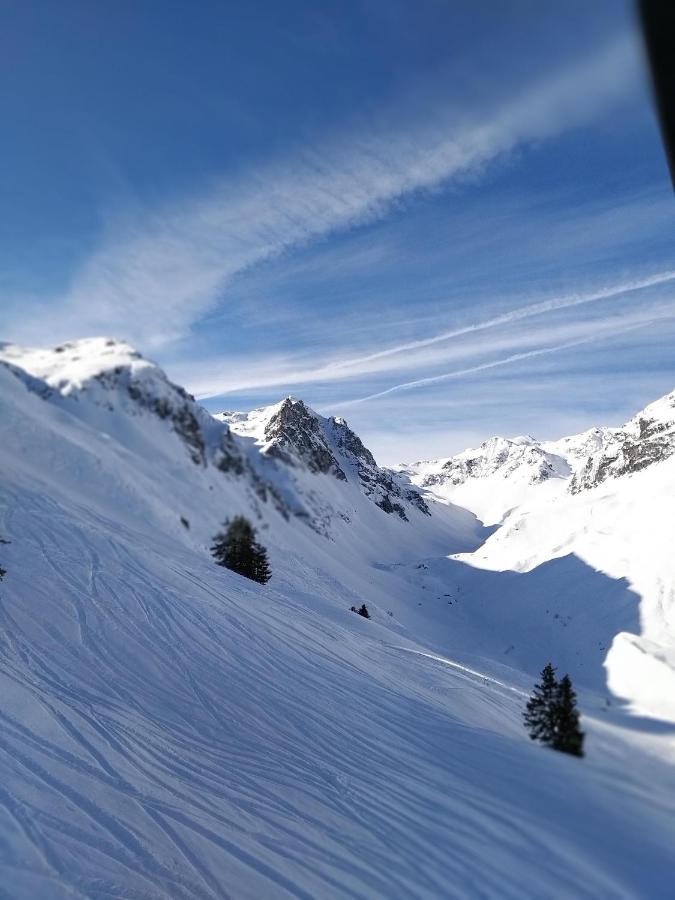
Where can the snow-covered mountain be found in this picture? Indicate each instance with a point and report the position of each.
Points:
(295, 435)
(605, 496)
(502, 472)
(93, 378)
(494, 477)
(648, 438)
(172, 730)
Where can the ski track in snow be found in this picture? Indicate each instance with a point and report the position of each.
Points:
(189, 736)
(485, 679)
(170, 730)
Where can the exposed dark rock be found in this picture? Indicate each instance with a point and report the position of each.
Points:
(647, 439)
(297, 436)
(389, 507)
(377, 483)
(182, 418)
(294, 435)
(228, 457)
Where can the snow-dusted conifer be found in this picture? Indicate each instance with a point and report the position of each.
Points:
(261, 571)
(540, 710)
(551, 715)
(568, 737)
(237, 549)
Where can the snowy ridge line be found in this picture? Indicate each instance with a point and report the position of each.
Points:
(461, 668)
(274, 452)
(503, 475)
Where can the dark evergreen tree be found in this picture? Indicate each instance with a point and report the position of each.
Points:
(551, 715)
(539, 713)
(568, 736)
(237, 549)
(261, 567)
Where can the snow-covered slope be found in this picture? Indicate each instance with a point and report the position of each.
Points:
(623, 528)
(91, 379)
(604, 497)
(172, 730)
(646, 439)
(503, 473)
(493, 478)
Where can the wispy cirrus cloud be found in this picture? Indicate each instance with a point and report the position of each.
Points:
(548, 395)
(594, 334)
(218, 377)
(154, 277)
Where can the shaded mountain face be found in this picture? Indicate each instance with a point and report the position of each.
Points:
(295, 436)
(99, 379)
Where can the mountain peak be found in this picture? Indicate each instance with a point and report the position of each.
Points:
(111, 375)
(522, 457)
(647, 438)
(296, 434)
(68, 367)
(498, 474)
(291, 432)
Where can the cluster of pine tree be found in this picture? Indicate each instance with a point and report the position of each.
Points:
(237, 549)
(551, 715)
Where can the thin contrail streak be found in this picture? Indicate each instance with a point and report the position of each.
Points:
(516, 315)
(516, 357)
(338, 369)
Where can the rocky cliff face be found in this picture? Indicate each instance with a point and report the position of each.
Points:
(646, 439)
(383, 486)
(293, 434)
(581, 462)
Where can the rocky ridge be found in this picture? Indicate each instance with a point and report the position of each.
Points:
(293, 434)
(95, 377)
(582, 461)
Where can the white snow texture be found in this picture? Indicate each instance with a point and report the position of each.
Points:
(172, 730)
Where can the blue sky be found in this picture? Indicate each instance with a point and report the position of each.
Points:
(440, 220)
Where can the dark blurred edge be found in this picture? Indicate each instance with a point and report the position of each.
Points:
(658, 28)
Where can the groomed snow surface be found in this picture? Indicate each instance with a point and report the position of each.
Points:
(172, 730)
